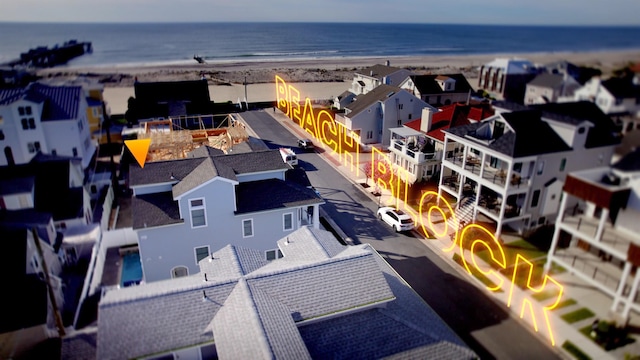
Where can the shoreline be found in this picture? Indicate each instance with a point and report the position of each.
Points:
(327, 69)
(318, 78)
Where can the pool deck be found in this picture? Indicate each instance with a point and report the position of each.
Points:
(112, 264)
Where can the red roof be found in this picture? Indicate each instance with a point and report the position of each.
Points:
(456, 115)
(453, 115)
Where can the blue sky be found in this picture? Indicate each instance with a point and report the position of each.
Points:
(555, 12)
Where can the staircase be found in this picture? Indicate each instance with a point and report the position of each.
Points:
(464, 213)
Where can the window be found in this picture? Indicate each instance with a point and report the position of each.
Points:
(540, 167)
(75, 151)
(21, 111)
(409, 116)
(535, 198)
(369, 134)
(37, 145)
(80, 126)
(563, 163)
(32, 147)
(27, 110)
(247, 228)
(400, 106)
(201, 253)
(274, 254)
(32, 123)
(287, 220)
(25, 124)
(581, 130)
(179, 271)
(198, 213)
(1, 135)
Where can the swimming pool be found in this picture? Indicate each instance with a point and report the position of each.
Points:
(131, 270)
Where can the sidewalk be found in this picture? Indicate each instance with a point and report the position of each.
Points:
(573, 288)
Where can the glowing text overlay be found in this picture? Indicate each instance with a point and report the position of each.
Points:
(470, 239)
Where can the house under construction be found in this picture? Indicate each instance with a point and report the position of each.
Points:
(169, 140)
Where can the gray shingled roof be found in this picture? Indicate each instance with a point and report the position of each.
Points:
(630, 162)
(524, 140)
(603, 131)
(201, 174)
(272, 194)
(17, 185)
(226, 166)
(547, 80)
(255, 314)
(60, 102)
(162, 171)
(364, 101)
(157, 209)
(254, 325)
(258, 161)
(427, 84)
(378, 71)
(204, 151)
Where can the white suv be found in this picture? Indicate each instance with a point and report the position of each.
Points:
(397, 219)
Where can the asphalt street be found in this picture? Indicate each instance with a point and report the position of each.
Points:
(485, 325)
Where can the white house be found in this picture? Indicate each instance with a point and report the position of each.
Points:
(372, 114)
(321, 300)
(418, 146)
(511, 167)
(548, 88)
(506, 78)
(369, 78)
(183, 210)
(48, 119)
(438, 90)
(54, 185)
(28, 314)
(596, 233)
(616, 97)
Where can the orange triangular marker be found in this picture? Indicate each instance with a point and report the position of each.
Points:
(139, 149)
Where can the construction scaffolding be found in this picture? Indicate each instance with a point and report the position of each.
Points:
(170, 141)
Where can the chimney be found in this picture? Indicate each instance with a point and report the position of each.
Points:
(427, 118)
(371, 73)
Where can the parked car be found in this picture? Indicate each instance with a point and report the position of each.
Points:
(305, 144)
(288, 156)
(397, 219)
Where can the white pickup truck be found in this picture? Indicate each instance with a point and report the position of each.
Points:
(289, 156)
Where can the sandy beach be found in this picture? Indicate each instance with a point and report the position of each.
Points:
(320, 78)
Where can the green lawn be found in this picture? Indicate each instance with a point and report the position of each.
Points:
(622, 339)
(575, 351)
(478, 275)
(565, 303)
(529, 252)
(577, 315)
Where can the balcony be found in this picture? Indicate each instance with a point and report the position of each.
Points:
(412, 151)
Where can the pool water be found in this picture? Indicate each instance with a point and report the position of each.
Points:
(131, 270)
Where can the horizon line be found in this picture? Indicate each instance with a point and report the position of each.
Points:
(151, 22)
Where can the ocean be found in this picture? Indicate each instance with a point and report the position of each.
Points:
(159, 43)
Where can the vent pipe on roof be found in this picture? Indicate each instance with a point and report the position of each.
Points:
(211, 258)
(387, 63)
(287, 241)
(205, 277)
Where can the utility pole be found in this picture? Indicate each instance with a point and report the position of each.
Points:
(245, 93)
(52, 297)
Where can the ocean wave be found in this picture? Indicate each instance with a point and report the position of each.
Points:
(269, 54)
